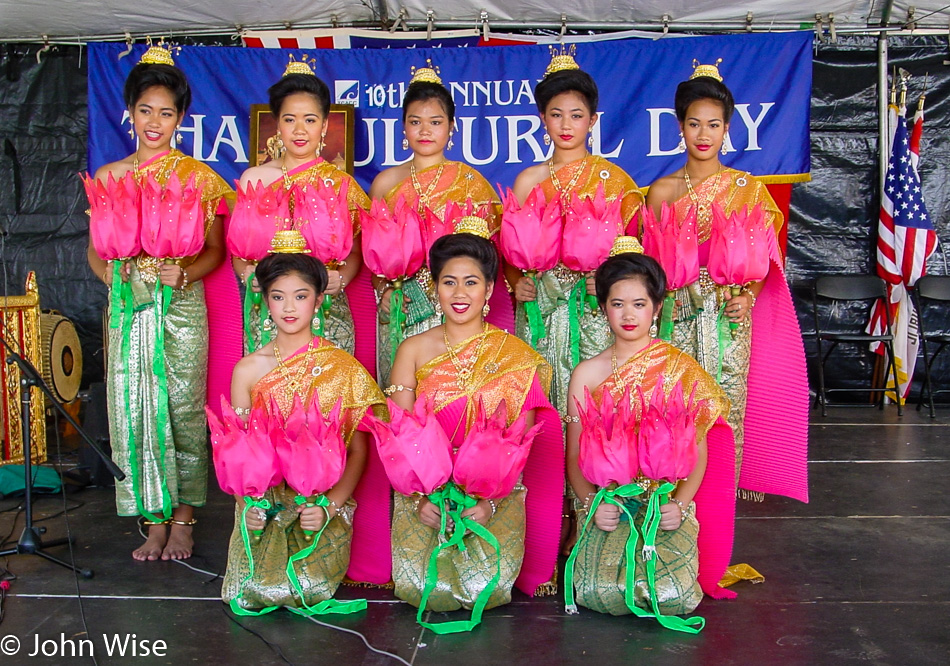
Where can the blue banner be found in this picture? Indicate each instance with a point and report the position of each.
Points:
(498, 129)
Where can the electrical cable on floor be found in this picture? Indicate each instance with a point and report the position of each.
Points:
(69, 539)
(214, 576)
(275, 648)
(362, 638)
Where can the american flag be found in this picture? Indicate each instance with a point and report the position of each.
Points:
(906, 239)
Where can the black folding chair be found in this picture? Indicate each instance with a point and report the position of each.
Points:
(844, 289)
(932, 289)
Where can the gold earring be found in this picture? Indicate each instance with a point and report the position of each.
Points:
(268, 324)
(653, 329)
(547, 139)
(723, 149)
(323, 141)
(438, 309)
(681, 146)
(178, 134)
(405, 141)
(451, 143)
(131, 128)
(486, 309)
(315, 322)
(590, 140)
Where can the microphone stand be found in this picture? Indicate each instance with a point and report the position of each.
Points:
(30, 541)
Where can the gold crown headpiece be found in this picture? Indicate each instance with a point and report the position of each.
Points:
(289, 241)
(712, 71)
(472, 224)
(562, 59)
(158, 54)
(301, 66)
(625, 245)
(428, 74)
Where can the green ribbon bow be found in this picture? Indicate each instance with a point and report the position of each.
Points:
(532, 312)
(614, 495)
(235, 607)
(329, 605)
(452, 501)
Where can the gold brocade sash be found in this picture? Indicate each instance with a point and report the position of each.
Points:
(457, 182)
(321, 170)
(661, 359)
(584, 175)
(732, 190)
(329, 372)
(504, 371)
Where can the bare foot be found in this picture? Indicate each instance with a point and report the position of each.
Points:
(152, 549)
(179, 543)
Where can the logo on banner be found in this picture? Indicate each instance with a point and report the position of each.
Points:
(347, 91)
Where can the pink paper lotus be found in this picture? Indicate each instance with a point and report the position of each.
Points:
(254, 221)
(245, 461)
(435, 227)
(531, 234)
(415, 451)
(666, 440)
(590, 227)
(114, 224)
(172, 217)
(322, 215)
(310, 448)
(739, 246)
(607, 447)
(392, 241)
(674, 246)
(492, 457)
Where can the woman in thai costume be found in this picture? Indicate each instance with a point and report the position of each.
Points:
(300, 102)
(163, 451)
(430, 181)
(459, 364)
(567, 101)
(299, 366)
(630, 289)
(763, 365)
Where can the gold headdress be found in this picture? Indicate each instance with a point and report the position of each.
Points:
(301, 66)
(712, 71)
(472, 224)
(289, 241)
(428, 74)
(626, 245)
(158, 54)
(561, 59)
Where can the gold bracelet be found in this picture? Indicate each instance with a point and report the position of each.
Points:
(567, 418)
(334, 505)
(747, 290)
(494, 508)
(184, 279)
(684, 509)
(395, 388)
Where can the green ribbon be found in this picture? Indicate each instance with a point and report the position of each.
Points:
(723, 338)
(666, 316)
(533, 313)
(452, 501)
(650, 525)
(163, 295)
(235, 608)
(397, 321)
(251, 299)
(328, 605)
(576, 303)
(116, 295)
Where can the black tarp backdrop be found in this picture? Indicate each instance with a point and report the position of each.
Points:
(43, 126)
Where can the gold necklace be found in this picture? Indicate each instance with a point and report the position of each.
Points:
(572, 183)
(703, 208)
(620, 383)
(293, 382)
(417, 186)
(464, 369)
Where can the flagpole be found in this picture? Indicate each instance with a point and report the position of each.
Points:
(882, 130)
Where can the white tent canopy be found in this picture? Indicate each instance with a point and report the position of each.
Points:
(97, 19)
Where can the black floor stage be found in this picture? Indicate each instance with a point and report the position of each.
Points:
(860, 575)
